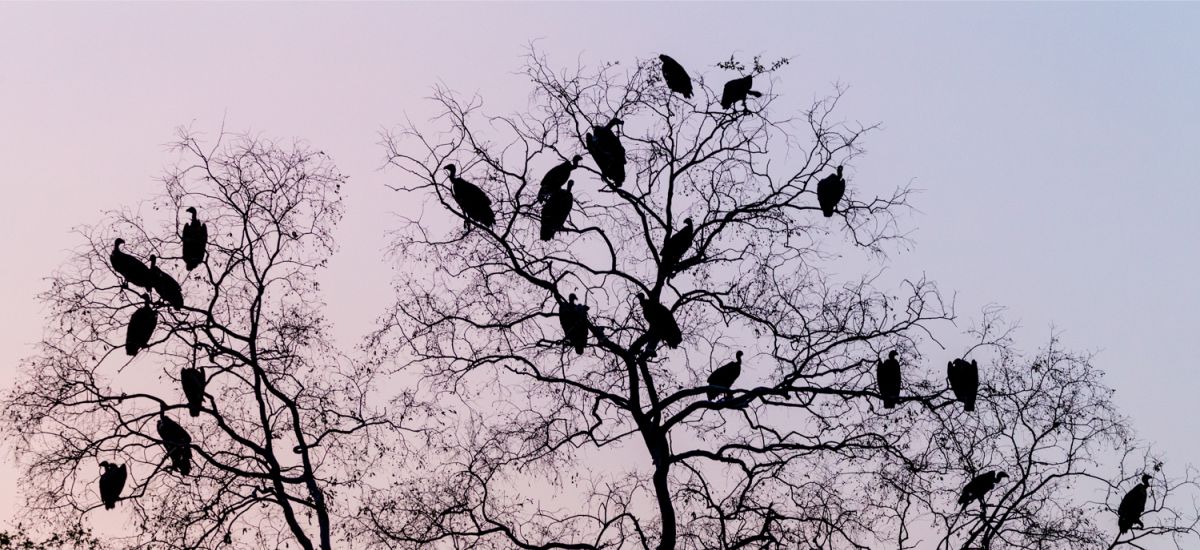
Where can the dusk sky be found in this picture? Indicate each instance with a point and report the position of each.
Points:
(1055, 145)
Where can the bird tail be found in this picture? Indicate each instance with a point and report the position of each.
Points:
(969, 406)
(712, 395)
(828, 212)
(579, 349)
(194, 410)
(889, 403)
(547, 233)
(754, 93)
(110, 505)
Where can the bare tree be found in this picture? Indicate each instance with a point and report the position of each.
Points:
(621, 446)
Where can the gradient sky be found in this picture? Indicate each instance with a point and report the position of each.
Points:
(1057, 145)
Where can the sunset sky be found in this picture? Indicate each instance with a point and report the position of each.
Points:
(1056, 146)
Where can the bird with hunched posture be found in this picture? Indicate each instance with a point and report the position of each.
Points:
(662, 322)
(165, 285)
(471, 199)
(606, 149)
(1133, 504)
(676, 246)
(676, 77)
(177, 443)
(724, 377)
(887, 374)
(193, 382)
(112, 482)
(556, 177)
(978, 487)
(557, 210)
(574, 321)
(964, 380)
(129, 268)
(141, 327)
(830, 190)
(195, 241)
(736, 90)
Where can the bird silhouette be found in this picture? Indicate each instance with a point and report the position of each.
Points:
(141, 327)
(964, 380)
(676, 246)
(129, 268)
(736, 90)
(661, 322)
(574, 321)
(608, 153)
(557, 210)
(195, 241)
(165, 285)
(177, 443)
(556, 177)
(887, 374)
(829, 192)
(724, 377)
(1133, 504)
(676, 77)
(978, 487)
(193, 382)
(112, 482)
(471, 199)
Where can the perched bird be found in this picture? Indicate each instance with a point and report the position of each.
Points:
(677, 78)
(129, 268)
(574, 321)
(829, 191)
(964, 380)
(112, 481)
(736, 90)
(979, 486)
(557, 177)
(193, 382)
(471, 199)
(177, 443)
(557, 210)
(676, 246)
(165, 285)
(141, 327)
(662, 322)
(195, 241)
(724, 377)
(888, 378)
(606, 149)
(1129, 513)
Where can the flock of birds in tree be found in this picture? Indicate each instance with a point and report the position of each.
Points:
(176, 441)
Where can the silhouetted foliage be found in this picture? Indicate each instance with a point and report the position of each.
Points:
(71, 538)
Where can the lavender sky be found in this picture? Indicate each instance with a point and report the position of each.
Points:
(1056, 144)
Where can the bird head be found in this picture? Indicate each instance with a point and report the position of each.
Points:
(575, 159)
(892, 354)
(687, 222)
(1000, 476)
(615, 122)
(571, 298)
(192, 210)
(839, 170)
(570, 183)
(663, 58)
(118, 242)
(1146, 479)
(739, 356)
(974, 364)
(105, 464)
(153, 259)
(641, 297)
(450, 168)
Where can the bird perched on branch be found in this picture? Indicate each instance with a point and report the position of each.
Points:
(1129, 513)
(557, 210)
(724, 377)
(129, 268)
(830, 190)
(676, 77)
(193, 382)
(141, 327)
(662, 322)
(195, 241)
(177, 443)
(964, 380)
(608, 153)
(887, 375)
(112, 482)
(471, 199)
(574, 321)
(736, 90)
(978, 488)
(556, 177)
(165, 285)
(676, 246)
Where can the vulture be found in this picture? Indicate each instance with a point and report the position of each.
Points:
(141, 328)
(829, 191)
(557, 177)
(964, 380)
(606, 149)
(557, 210)
(177, 442)
(662, 323)
(471, 199)
(736, 90)
(888, 377)
(574, 321)
(195, 240)
(677, 245)
(192, 380)
(724, 377)
(677, 78)
(129, 268)
(1129, 513)
(165, 285)
(978, 487)
(112, 481)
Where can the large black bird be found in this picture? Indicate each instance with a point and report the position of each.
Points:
(888, 379)
(606, 149)
(978, 487)
(130, 268)
(1129, 513)
(964, 380)
(177, 443)
(193, 382)
(165, 285)
(724, 377)
(112, 481)
(574, 321)
(195, 241)
(676, 246)
(736, 90)
(677, 78)
(471, 199)
(662, 322)
(557, 177)
(829, 192)
(557, 210)
(141, 327)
